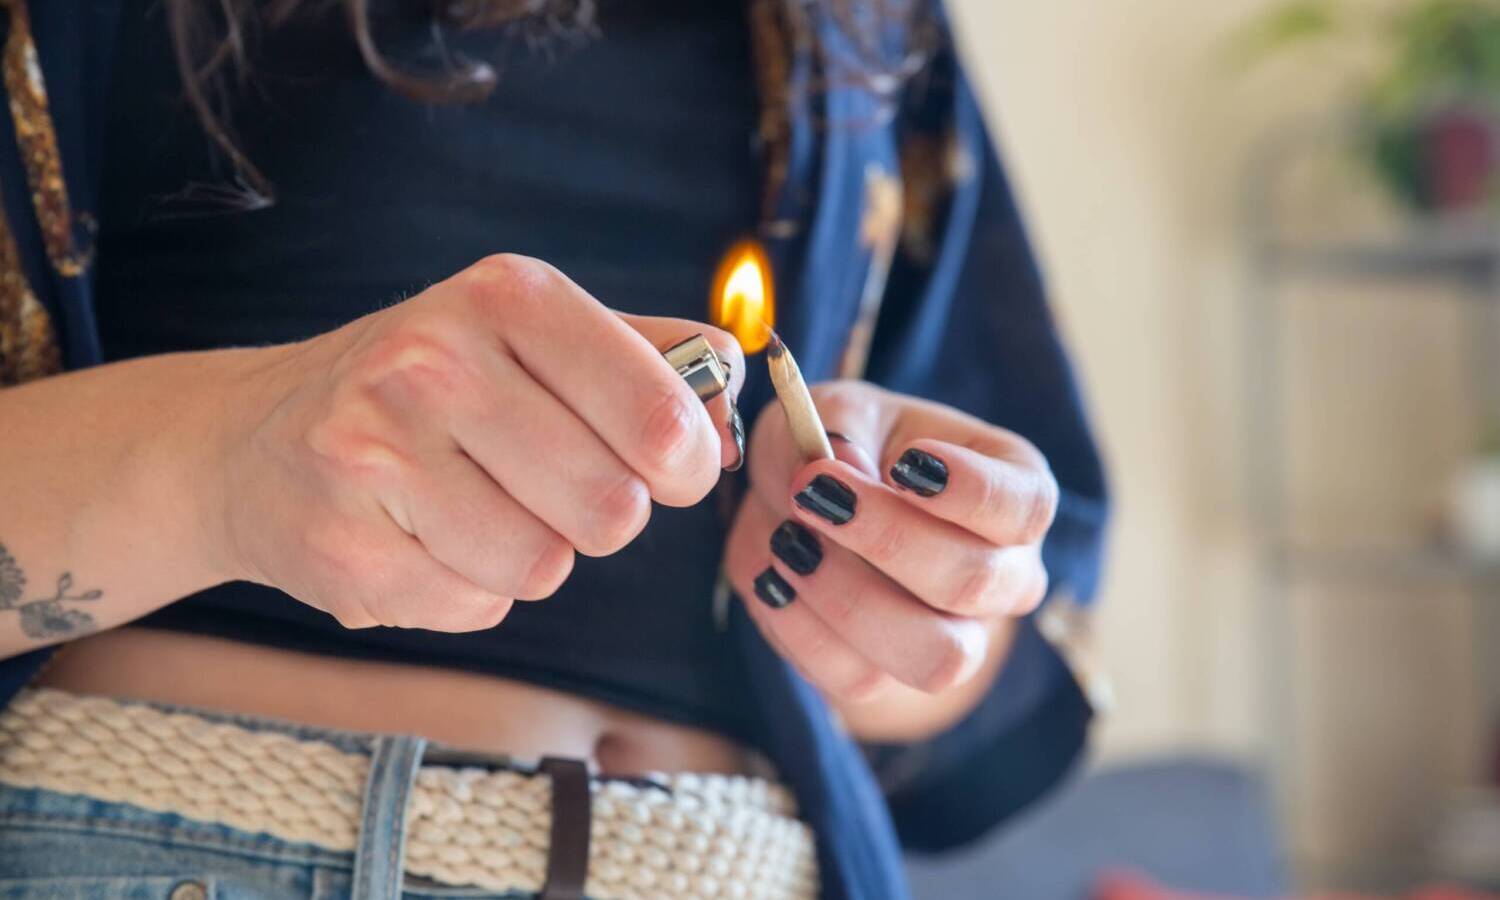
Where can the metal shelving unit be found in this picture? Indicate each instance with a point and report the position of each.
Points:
(1419, 564)
(1466, 255)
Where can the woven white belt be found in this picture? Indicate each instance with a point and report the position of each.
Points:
(691, 836)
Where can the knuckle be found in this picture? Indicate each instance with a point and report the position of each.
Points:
(476, 614)
(991, 501)
(404, 616)
(377, 609)
(618, 517)
(495, 612)
(1038, 509)
(352, 455)
(362, 577)
(1046, 507)
(670, 431)
(811, 647)
(354, 619)
(412, 362)
(503, 279)
(492, 612)
(430, 607)
(551, 567)
(840, 608)
(951, 658)
(1024, 502)
(862, 685)
(982, 585)
(1032, 597)
(887, 541)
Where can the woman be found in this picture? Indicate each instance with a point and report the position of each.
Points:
(357, 497)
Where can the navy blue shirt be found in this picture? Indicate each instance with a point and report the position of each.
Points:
(965, 323)
(634, 193)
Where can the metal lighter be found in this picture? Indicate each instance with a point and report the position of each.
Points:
(698, 364)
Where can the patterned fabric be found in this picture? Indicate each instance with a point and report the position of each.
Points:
(27, 93)
(28, 343)
(964, 322)
(773, 32)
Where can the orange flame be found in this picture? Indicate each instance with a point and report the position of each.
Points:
(744, 301)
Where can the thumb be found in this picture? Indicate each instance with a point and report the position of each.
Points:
(663, 333)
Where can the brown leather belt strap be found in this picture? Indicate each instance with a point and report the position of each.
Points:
(568, 852)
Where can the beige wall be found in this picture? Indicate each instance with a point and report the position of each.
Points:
(1127, 135)
(1095, 105)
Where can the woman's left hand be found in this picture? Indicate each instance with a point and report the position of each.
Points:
(902, 560)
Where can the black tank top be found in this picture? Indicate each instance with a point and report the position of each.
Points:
(633, 191)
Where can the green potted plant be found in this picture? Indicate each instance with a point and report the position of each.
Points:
(1429, 105)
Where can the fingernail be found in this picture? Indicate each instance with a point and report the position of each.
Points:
(839, 436)
(827, 498)
(794, 545)
(920, 471)
(773, 590)
(736, 431)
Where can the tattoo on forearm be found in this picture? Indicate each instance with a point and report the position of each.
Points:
(44, 617)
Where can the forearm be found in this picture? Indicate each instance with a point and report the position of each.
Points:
(107, 493)
(904, 715)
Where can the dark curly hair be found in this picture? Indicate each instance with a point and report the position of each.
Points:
(210, 39)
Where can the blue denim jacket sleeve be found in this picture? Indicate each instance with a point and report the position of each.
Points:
(967, 324)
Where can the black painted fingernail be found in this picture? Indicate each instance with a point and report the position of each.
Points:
(829, 498)
(773, 590)
(794, 545)
(736, 431)
(920, 471)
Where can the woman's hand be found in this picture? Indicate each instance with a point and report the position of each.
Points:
(903, 561)
(430, 463)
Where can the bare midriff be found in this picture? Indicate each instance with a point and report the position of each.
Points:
(462, 709)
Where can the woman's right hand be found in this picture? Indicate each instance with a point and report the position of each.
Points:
(429, 464)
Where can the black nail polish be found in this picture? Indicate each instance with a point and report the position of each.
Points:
(773, 590)
(737, 432)
(794, 545)
(920, 471)
(829, 498)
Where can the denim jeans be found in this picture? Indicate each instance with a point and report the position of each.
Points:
(65, 847)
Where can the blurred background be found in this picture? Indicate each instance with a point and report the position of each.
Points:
(1272, 232)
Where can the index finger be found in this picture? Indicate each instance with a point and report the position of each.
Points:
(663, 333)
(607, 372)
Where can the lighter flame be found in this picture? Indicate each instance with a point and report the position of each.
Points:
(744, 302)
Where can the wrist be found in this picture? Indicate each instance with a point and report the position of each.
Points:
(221, 397)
